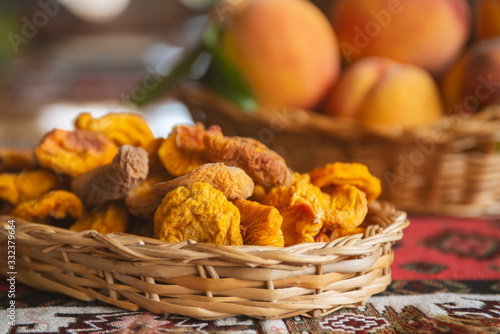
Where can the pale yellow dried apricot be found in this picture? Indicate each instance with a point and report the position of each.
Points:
(349, 208)
(198, 212)
(123, 128)
(232, 181)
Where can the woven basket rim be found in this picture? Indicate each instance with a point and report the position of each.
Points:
(206, 281)
(397, 221)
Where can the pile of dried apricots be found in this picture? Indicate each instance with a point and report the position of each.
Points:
(111, 174)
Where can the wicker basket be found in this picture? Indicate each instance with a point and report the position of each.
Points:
(206, 281)
(451, 168)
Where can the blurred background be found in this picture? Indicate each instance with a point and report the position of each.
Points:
(61, 57)
(58, 58)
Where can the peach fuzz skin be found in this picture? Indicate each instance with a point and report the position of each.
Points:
(380, 91)
(426, 33)
(286, 49)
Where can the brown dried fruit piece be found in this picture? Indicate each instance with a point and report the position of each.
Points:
(16, 159)
(29, 184)
(58, 204)
(232, 181)
(198, 212)
(109, 218)
(301, 210)
(260, 224)
(184, 150)
(349, 208)
(143, 200)
(74, 152)
(121, 128)
(262, 164)
(113, 181)
(355, 174)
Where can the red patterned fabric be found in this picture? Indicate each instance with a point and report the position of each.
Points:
(448, 248)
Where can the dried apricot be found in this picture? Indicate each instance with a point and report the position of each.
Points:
(109, 218)
(349, 207)
(198, 212)
(336, 174)
(304, 181)
(122, 128)
(260, 224)
(232, 181)
(74, 152)
(301, 210)
(262, 164)
(184, 150)
(29, 184)
(57, 204)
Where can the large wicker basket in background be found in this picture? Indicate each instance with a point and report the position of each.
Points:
(452, 167)
(206, 281)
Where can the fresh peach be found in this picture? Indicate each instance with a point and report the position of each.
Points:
(426, 33)
(378, 90)
(286, 49)
(473, 82)
(487, 18)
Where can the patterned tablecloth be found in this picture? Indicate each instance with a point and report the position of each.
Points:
(446, 279)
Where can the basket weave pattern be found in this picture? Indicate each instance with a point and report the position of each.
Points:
(452, 167)
(206, 281)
